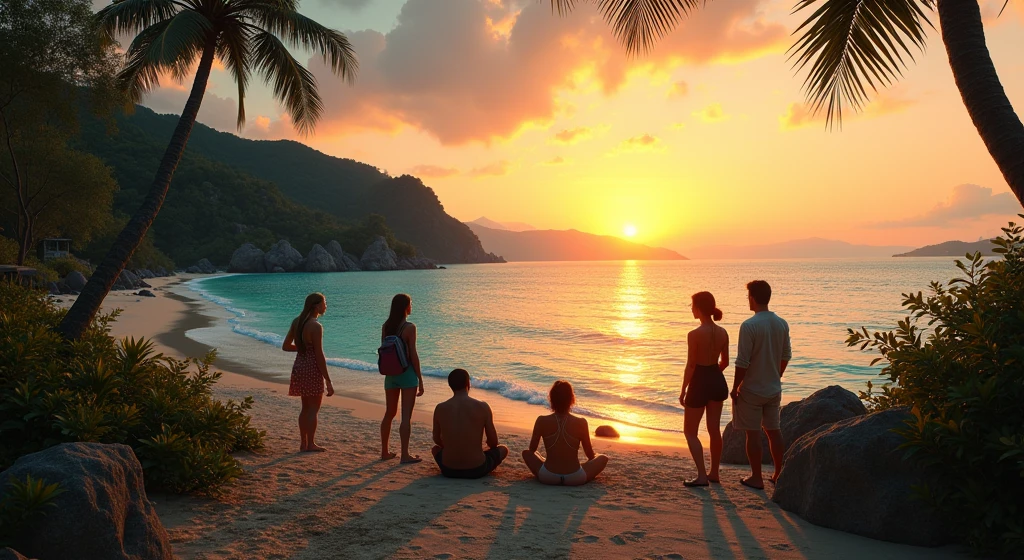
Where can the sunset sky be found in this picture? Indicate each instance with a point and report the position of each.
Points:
(513, 113)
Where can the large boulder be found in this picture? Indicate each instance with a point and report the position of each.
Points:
(282, 255)
(161, 272)
(853, 476)
(352, 262)
(127, 280)
(319, 260)
(416, 263)
(378, 256)
(334, 249)
(205, 266)
(75, 281)
(103, 511)
(247, 258)
(797, 418)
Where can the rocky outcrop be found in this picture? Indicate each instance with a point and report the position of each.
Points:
(127, 280)
(378, 256)
(75, 281)
(247, 258)
(162, 272)
(204, 266)
(853, 476)
(824, 406)
(145, 273)
(416, 263)
(352, 263)
(282, 255)
(103, 511)
(334, 249)
(319, 260)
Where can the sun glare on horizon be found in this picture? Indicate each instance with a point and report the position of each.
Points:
(629, 230)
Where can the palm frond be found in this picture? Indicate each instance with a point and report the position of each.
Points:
(300, 31)
(853, 45)
(171, 45)
(293, 84)
(235, 51)
(638, 24)
(125, 17)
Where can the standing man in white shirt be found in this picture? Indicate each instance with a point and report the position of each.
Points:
(761, 359)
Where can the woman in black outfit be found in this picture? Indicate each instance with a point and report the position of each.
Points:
(704, 386)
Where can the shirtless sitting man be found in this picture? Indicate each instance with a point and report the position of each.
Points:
(459, 425)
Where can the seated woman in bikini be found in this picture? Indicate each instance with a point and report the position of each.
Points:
(563, 434)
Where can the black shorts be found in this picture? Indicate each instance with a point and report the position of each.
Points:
(708, 384)
(492, 458)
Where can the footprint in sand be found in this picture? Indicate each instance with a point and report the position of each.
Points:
(628, 537)
(587, 539)
(443, 556)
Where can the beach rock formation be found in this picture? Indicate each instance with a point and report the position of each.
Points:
(378, 256)
(352, 263)
(127, 280)
(282, 255)
(103, 511)
(824, 406)
(204, 266)
(144, 273)
(319, 260)
(606, 431)
(247, 258)
(852, 476)
(278, 269)
(334, 249)
(145, 293)
(75, 281)
(416, 263)
(162, 272)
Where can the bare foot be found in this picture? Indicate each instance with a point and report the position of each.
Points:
(314, 448)
(411, 459)
(696, 482)
(388, 456)
(714, 479)
(750, 482)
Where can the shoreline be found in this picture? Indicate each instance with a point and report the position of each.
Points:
(348, 503)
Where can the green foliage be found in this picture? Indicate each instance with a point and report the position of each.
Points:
(104, 390)
(8, 250)
(146, 255)
(958, 361)
(64, 265)
(21, 502)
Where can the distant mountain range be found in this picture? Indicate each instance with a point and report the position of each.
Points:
(564, 245)
(814, 247)
(951, 249)
(504, 226)
(265, 170)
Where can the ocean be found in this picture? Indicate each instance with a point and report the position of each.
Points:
(616, 330)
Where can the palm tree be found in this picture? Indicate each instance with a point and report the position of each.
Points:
(248, 36)
(851, 47)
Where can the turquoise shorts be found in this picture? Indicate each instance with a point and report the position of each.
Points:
(405, 380)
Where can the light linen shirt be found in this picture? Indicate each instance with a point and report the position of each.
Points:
(763, 346)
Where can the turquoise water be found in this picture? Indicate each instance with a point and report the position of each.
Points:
(616, 330)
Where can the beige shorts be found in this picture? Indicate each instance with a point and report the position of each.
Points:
(753, 412)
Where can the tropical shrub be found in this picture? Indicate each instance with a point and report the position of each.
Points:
(958, 361)
(65, 265)
(22, 501)
(8, 250)
(100, 389)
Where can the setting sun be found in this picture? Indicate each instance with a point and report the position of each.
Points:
(629, 230)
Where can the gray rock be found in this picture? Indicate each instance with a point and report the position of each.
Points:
(205, 266)
(247, 258)
(7, 553)
(75, 281)
(282, 255)
(319, 260)
(145, 273)
(146, 293)
(103, 511)
(278, 269)
(53, 288)
(160, 272)
(824, 406)
(334, 248)
(853, 477)
(193, 270)
(127, 280)
(352, 262)
(606, 431)
(378, 256)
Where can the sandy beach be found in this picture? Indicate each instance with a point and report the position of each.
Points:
(346, 503)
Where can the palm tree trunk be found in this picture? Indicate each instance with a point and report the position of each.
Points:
(81, 314)
(983, 95)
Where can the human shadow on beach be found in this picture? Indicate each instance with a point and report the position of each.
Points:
(551, 515)
(749, 546)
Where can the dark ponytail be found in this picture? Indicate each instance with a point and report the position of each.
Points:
(399, 305)
(705, 302)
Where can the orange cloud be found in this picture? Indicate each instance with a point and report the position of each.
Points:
(557, 160)
(712, 114)
(642, 143)
(495, 169)
(799, 115)
(501, 82)
(679, 89)
(572, 135)
(427, 171)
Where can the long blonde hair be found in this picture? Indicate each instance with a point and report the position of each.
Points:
(313, 300)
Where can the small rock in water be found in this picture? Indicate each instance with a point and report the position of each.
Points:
(606, 431)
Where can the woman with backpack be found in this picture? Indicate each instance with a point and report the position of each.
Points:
(704, 385)
(408, 384)
(309, 372)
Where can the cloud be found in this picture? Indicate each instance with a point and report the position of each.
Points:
(966, 203)
(451, 70)
(642, 143)
(216, 112)
(572, 135)
(712, 114)
(427, 171)
(557, 160)
(495, 169)
(678, 90)
(886, 102)
(351, 5)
